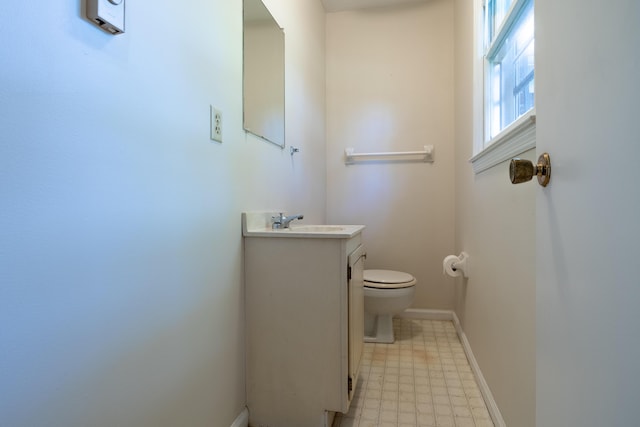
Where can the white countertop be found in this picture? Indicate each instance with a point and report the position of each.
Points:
(258, 224)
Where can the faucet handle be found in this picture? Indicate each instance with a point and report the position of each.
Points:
(276, 221)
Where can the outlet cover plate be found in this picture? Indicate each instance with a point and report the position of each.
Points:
(216, 124)
(107, 14)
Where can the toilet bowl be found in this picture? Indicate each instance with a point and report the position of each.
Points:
(386, 293)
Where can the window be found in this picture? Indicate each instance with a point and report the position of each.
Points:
(506, 73)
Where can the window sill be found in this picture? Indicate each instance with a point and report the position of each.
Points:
(514, 140)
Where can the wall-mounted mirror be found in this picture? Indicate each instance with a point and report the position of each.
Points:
(263, 73)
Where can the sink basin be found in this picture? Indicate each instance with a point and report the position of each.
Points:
(316, 228)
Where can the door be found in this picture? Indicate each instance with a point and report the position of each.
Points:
(588, 218)
(356, 316)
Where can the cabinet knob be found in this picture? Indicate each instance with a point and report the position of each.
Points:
(523, 170)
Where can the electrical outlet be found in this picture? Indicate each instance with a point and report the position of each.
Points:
(107, 14)
(216, 124)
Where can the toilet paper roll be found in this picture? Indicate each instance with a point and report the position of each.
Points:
(447, 266)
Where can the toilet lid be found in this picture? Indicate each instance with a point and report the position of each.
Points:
(388, 279)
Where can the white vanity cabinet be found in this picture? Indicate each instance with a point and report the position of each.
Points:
(304, 322)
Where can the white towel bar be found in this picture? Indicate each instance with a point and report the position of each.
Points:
(427, 154)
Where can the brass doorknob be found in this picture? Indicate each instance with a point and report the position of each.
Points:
(523, 170)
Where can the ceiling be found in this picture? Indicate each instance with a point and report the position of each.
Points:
(338, 5)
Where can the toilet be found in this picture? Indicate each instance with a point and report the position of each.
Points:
(386, 293)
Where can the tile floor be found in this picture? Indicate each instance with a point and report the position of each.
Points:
(423, 379)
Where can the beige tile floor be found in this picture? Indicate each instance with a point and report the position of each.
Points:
(423, 379)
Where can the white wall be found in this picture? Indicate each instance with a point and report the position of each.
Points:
(390, 88)
(120, 254)
(495, 224)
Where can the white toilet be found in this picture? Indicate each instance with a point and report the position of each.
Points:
(386, 292)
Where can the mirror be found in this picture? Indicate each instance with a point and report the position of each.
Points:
(263, 73)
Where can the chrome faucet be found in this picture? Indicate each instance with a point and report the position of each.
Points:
(282, 221)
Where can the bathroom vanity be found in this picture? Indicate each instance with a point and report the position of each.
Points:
(304, 321)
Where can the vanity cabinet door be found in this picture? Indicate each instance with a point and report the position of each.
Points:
(355, 285)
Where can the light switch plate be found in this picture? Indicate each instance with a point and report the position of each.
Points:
(107, 14)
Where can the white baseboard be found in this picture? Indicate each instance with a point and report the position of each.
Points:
(242, 420)
(420, 313)
(492, 407)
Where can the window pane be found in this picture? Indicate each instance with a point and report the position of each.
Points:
(511, 76)
(497, 12)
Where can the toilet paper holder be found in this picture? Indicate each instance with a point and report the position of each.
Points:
(456, 266)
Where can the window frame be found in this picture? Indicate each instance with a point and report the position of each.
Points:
(519, 136)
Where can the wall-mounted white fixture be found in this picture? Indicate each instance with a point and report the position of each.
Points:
(426, 155)
(107, 14)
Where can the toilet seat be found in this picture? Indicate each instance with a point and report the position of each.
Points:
(388, 279)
